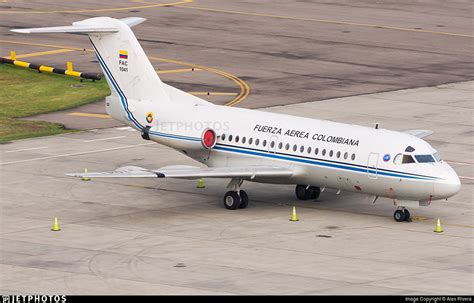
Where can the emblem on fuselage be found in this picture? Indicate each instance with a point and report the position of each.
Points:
(386, 157)
(149, 117)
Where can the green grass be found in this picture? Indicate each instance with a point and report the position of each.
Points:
(25, 92)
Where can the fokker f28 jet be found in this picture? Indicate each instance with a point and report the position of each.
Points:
(248, 145)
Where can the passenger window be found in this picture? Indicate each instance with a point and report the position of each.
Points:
(353, 157)
(243, 140)
(280, 145)
(272, 144)
(236, 139)
(338, 154)
(257, 141)
(250, 140)
(324, 152)
(230, 138)
(301, 149)
(346, 155)
(264, 143)
(309, 149)
(223, 137)
(331, 153)
(295, 147)
(287, 146)
(316, 151)
(407, 159)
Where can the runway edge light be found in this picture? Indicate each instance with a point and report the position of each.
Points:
(438, 228)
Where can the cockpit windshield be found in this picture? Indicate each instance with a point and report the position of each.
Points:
(424, 158)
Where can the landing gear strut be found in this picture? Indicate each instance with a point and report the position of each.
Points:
(236, 198)
(402, 214)
(306, 192)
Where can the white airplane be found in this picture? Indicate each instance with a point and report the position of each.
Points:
(249, 145)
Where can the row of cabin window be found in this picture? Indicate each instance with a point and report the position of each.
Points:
(287, 146)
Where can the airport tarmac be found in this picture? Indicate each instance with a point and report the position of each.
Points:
(142, 236)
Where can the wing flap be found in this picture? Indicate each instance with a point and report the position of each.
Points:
(191, 172)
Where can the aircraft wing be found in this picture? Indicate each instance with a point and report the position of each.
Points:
(191, 172)
(420, 133)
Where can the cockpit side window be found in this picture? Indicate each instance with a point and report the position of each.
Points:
(424, 158)
(407, 159)
(437, 157)
(398, 159)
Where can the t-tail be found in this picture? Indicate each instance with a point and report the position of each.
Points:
(136, 90)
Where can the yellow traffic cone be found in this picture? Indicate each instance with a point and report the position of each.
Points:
(294, 218)
(85, 178)
(200, 184)
(56, 225)
(438, 228)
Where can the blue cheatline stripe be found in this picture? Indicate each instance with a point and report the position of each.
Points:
(123, 99)
(242, 150)
(319, 163)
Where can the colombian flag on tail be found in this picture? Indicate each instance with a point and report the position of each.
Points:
(123, 54)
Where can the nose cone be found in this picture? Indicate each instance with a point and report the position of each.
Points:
(449, 185)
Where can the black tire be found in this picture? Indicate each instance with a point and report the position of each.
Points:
(407, 215)
(315, 193)
(399, 215)
(232, 200)
(301, 192)
(244, 199)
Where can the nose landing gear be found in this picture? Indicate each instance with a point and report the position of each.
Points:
(402, 214)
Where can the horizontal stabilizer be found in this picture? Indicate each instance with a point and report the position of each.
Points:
(92, 25)
(191, 172)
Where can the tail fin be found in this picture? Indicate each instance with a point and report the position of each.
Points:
(137, 91)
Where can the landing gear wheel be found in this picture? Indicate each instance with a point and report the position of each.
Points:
(316, 191)
(301, 192)
(244, 199)
(407, 215)
(399, 215)
(232, 200)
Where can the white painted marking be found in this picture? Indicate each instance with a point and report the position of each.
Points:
(461, 163)
(468, 178)
(123, 128)
(25, 149)
(75, 154)
(103, 139)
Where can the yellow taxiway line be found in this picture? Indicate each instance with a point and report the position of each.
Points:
(151, 5)
(51, 52)
(244, 88)
(179, 70)
(91, 115)
(380, 26)
(212, 93)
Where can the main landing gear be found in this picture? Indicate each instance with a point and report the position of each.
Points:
(307, 192)
(236, 198)
(402, 214)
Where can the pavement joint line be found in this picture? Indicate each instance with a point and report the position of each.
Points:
(75, 154)
(104, 139)
(367, 25)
